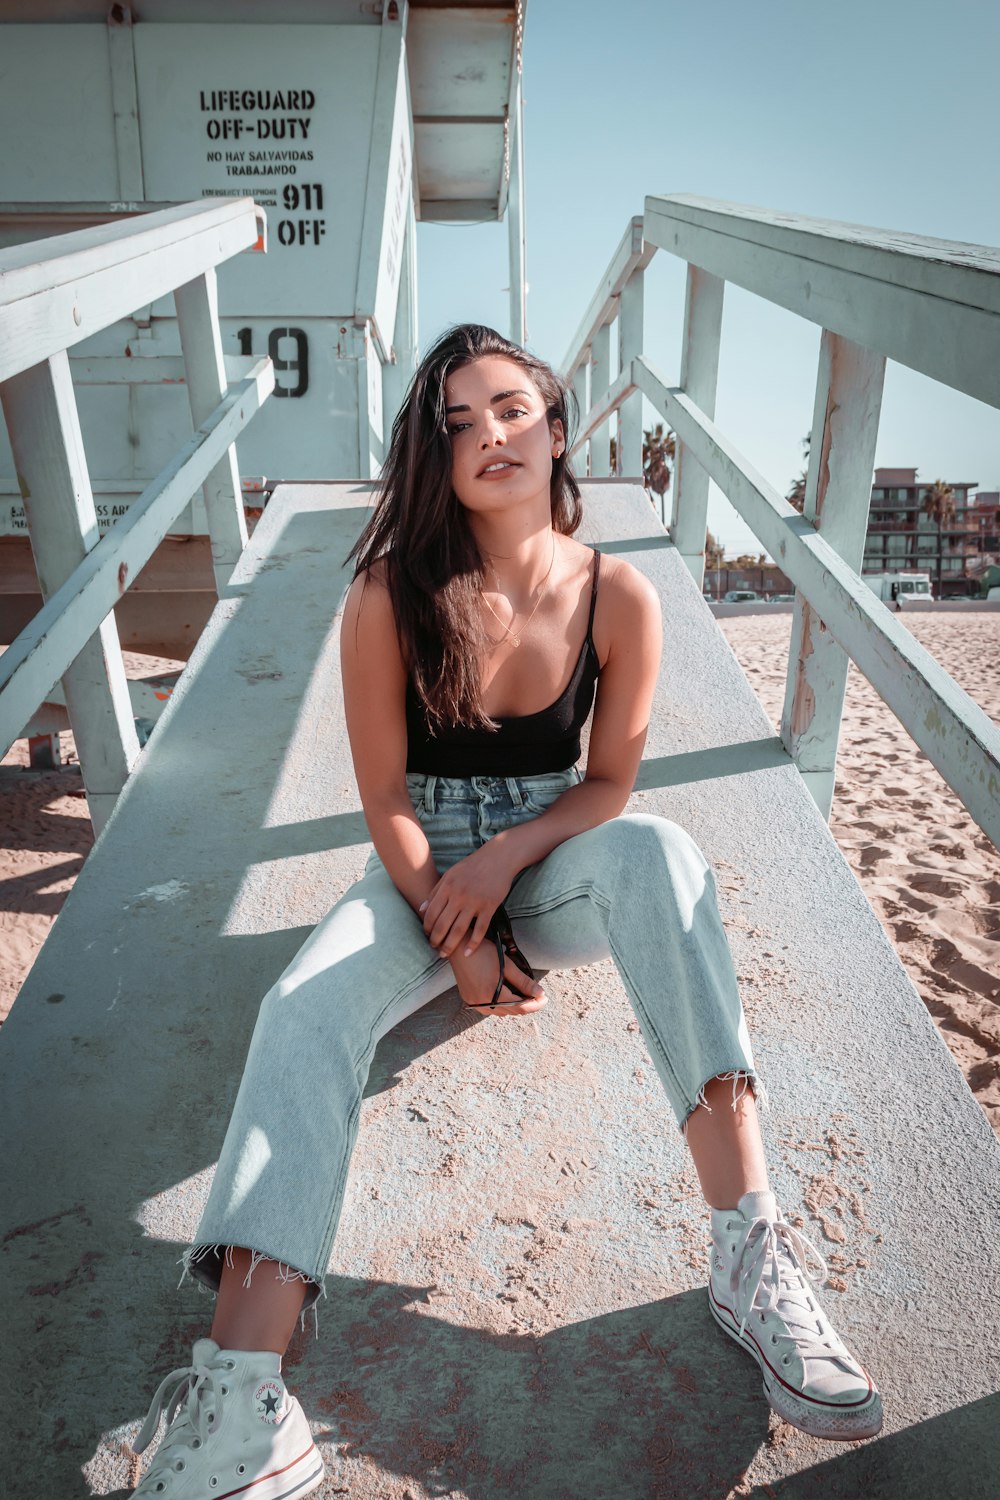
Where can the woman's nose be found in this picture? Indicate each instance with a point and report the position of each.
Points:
(490, 432)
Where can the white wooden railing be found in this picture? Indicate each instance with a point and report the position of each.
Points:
(929, 304)
(53, 294)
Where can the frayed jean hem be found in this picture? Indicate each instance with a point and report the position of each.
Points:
(204, 1264)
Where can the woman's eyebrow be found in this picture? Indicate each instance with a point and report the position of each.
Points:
(500, 396)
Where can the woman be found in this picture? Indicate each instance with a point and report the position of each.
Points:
(474, 635)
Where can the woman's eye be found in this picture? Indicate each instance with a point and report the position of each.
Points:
(516, 411)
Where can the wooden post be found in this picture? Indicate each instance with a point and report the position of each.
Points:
(629, 345)
(699, 380)
(838, 495)
(515, 224)
(580, 391)
(369, 396)
(197, 304)
(125, 104)
(600, 379)
(44, 429)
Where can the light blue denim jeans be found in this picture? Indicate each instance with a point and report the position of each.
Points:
(637, 888)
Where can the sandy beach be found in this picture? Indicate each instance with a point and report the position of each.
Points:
(929, 871)
(932, 876)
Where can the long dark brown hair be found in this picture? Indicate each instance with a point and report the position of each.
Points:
(434, 569)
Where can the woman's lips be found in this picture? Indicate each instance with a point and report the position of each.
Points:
(499, 473)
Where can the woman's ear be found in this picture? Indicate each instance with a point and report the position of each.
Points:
(558, 435)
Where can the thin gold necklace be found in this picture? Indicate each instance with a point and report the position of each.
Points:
(515, 640)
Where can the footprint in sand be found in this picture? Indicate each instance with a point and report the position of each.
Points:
(870, 854)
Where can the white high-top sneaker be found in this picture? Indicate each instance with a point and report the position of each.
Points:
(761, 1293)
(233, 1430)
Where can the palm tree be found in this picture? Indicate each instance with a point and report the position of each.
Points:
(796, 496)
(659, 452)
(939, 505)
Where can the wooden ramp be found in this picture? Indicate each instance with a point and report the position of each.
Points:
(517, 1302)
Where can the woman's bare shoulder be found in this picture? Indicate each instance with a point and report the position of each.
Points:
(625, 585)
(368, 613)
(627, 601)
(369, 591)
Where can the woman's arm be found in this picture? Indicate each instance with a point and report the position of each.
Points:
(628, 637)
(375, 705)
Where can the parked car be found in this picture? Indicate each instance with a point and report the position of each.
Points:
(740, 596)
(782, 599)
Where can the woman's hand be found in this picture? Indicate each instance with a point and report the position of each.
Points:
(457, 912)
(477, 976)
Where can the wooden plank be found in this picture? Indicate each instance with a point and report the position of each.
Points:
(147, 369)
(125, 104)
(44, 429)
(838, 494)
(73, 610)
(956, 270)
(633, 253)
(597, 415)
(948, 725)
(512, 199)
(630, 343)
(93, 277)
(390, 60)
(699, 377)
(930, 304)
(580, 391)
(197, 305)
(39, 265)
(600, 379)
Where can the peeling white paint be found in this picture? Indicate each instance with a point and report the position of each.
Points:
(169, 891)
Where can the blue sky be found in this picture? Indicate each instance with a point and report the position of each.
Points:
(877, 113)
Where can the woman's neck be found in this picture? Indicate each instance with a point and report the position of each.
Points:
(517, 563)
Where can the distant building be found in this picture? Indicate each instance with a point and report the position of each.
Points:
(901, 536)
(985, 513)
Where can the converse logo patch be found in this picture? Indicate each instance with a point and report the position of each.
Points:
(269, 1402)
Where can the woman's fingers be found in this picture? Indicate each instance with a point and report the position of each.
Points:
(512, 1002)
(477, 934)
(520, 995)
(455, 936)
(447, 926)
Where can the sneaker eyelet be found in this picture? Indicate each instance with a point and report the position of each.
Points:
(230, 1364)
(241, 1468)
(774, 1338)
(196, 1442)
(225, 1390)
(180, 1466)
(213, 1482)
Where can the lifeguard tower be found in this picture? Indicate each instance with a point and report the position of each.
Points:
(517, 1298)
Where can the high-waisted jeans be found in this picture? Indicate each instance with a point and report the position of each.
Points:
(637, 888)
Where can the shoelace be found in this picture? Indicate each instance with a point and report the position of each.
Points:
(772, 1255)
(186, 1387)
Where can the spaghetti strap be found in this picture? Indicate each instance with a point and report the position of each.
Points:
(593, 596)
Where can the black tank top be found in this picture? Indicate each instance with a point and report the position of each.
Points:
(524, 744)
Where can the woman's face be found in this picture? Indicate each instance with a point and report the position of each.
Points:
(502, 446)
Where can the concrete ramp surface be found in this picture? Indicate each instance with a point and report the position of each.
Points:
(517, 1293)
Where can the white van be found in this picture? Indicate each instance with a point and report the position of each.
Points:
(896, 587)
